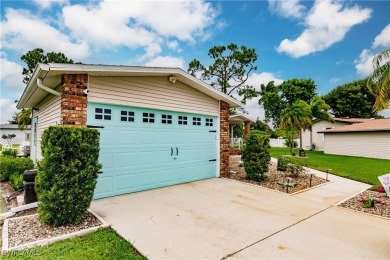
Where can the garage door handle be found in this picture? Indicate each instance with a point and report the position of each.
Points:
(95, 126)
(213, 160)
(177, 151)
(171, 151)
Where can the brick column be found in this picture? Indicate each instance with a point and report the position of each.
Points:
(74, 100)
(224, 139)
(247, 128)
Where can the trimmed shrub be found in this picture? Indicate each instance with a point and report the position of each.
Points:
(256, 156)
(9, 152)
(282, 163)
(16, 181)
(295, 169)
(67, 175)
(10, 165)
(258, 132)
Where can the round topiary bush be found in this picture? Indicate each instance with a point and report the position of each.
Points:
(67, 175)
(256, 156)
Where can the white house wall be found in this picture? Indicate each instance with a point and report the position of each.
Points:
(20, 135)
(48, 115)
(151, 92)
(363, 144)
(318, 138)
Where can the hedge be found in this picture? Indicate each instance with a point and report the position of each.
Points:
(256, 156)
(68, 173)
(10, 165)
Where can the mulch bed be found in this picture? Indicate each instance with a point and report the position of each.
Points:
(381, 206)
(273, 177)
(29, 229)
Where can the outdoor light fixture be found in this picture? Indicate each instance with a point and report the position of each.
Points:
(172, 79)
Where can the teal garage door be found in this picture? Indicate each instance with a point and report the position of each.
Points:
(142, 149)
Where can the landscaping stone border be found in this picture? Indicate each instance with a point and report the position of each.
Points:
(5, 249)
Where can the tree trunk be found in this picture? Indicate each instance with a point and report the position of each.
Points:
(300, 138)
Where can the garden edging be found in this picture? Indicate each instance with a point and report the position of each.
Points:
(6, 249)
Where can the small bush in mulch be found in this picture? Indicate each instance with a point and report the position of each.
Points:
(371, 202)
(277, 180)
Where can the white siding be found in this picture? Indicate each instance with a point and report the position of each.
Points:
(151, 92)
(368, 144)
(318, 138)
(49, 114)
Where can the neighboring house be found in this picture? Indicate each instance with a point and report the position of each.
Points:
(21, 136)
(317, 138)
(368, 139)
(159, 126)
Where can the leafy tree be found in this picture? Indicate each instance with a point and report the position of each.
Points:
(276, 99)
(256, 156)
(33, 57)
(8, 137)
(24, 118)
(260, 125)
(379, 81)
(230, 70)
(298, 116)
(352, 99)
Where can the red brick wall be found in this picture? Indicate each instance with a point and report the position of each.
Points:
(247, 128)
(224, 139)
(234, 151)
(74, 100)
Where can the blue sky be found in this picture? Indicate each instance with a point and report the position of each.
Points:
(332, 42)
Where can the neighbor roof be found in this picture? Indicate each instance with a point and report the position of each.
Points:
(373, 125)
(352, 120)
(12, 126)
(240, 118)
(51, 75)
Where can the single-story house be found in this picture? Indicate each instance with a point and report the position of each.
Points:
(158, 126)
(317, 138)
(368, 139)
(22, 136)
(234, 120)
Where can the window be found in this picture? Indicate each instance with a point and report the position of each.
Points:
(209, 122)
(127, 116)
(27, 137)
(182, 120)
(102, 114)
(148, 117)
(166, 119)
(196, 121)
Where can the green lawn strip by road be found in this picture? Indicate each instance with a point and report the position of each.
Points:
(103, 244)
(361, 169)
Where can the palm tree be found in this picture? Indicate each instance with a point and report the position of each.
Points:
(319, 110)
(298, 116)
(24, 118)
(379, 81)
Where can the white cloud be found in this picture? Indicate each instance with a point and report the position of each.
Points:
(334, 80)
(364, 63)
(383, 39)
(151, 51)
(287, 8)
(166, 61)
(327, 23)
(11, 74)
(173, 45)
(22, 31)
(132, 24)
(7, 109)
(48, 3)
(339, 62)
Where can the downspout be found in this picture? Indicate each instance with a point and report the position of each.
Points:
(47, 89)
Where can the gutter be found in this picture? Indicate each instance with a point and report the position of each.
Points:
(47, 89)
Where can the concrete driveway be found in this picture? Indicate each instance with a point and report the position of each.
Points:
(218, 218)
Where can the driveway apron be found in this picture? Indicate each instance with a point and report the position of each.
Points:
(215, 218)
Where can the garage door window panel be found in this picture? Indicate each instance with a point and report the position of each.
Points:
(166, 119)
(102, 114)
(182, 120)
(127, 116)
(196, 121)
(148, 117)
(209, 122)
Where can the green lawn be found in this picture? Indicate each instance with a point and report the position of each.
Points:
(356, 168)
(103, 244)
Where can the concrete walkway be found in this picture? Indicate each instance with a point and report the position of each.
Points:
(218, 218)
